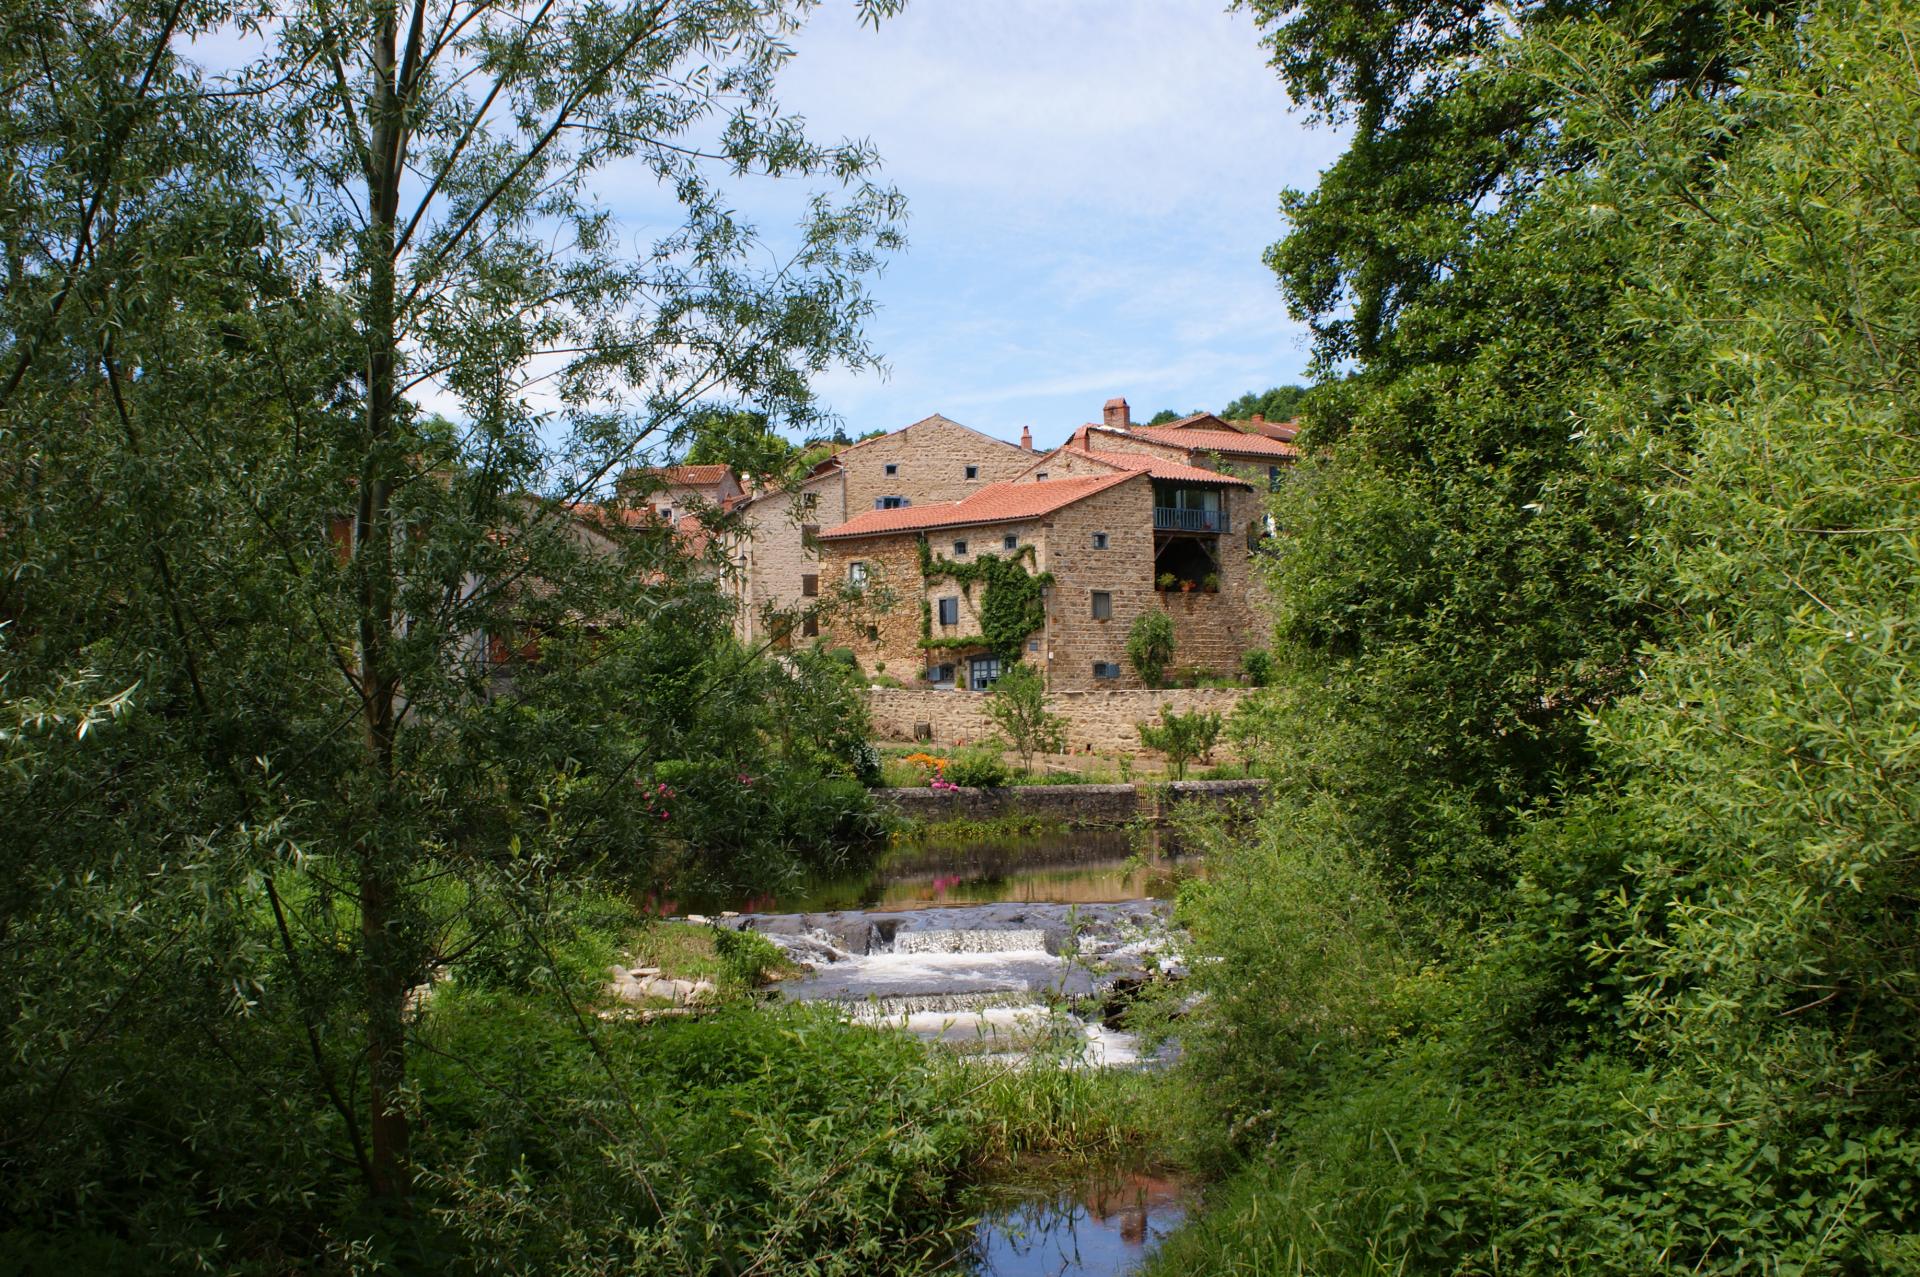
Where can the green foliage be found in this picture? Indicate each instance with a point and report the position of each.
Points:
(1257, 667)
(1017, 705)
(1282, 403)
(979, 767)
(1679, 1038)
(746, 957)
(1182, 737)
(738, 438)
(1012, 600)
(1150, 645)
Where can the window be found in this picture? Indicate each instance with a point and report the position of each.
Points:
(809, 533)
(1102, 605)
(1106, 669)
(1041, 477)
(809, 585)
(959, 548)
(950, 610)
(893, 468)
(981, 672)
(973, 472)
(810, 627)
(1099, 540)
(1033, 645)
(1010, 542)
(890, 503)
(856, 574)
(1273, 478)
(940, 674)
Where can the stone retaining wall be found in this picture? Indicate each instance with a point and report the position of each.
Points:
(1070, 804)
(1101, 722)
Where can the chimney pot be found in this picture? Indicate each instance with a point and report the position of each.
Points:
(1116, 415)
(1026, 438)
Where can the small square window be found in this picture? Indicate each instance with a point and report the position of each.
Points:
(1099, 540)
(809, 585)
(1041, 477)
(973, 472)
(950, 610)
(959, 547)
(889, 503)
(1033, 645)
(1106, 669)
(1010, 542)
(893, 468)
(1102, 605)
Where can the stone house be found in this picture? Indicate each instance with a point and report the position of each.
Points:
(674, 492)
(1100, 530)
(776, 563)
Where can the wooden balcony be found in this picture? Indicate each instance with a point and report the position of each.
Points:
(1167, 519)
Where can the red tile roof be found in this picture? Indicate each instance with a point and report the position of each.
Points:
(689, 476)
(995, 503)
(1284, 431)
(1202, 440)
(1161, 468)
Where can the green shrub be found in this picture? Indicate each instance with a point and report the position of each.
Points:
(1182, 737)
(1150, 645)
(1257, 667)
(979, 767)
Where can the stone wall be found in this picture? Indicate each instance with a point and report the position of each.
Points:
(1080, 805)
(930, 460)
(1102, 722)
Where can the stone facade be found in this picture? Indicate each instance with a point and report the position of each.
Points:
(773, 556)
(1102, 544)
(930, 460)
(1099, 722)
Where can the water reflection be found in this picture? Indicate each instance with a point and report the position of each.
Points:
(1077, 867)
(1096, 1227)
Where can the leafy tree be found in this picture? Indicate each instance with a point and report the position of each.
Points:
(264, 581)
(1017, 704)
(739, 438)
(1150, 645)
(1282, 403)
(1182, 737)
(1165, 415)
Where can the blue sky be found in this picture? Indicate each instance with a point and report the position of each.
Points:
(1091, 184)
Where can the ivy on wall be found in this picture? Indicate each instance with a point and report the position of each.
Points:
(1012, 603)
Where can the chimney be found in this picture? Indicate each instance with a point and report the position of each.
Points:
(1259, 419)
(1115, 415)
(1026, 438)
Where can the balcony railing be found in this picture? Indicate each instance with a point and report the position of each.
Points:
(1167, 519)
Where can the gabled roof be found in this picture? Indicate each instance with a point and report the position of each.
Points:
(995, 503)
(924, 421)
(1284, 431)
(689, 476)
(1161, 468)
(1225, 439)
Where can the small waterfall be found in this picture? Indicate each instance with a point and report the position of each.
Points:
(974, 940)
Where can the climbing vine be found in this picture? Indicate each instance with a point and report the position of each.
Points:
(1011, 606)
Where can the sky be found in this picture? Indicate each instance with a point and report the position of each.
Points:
(1091, 184)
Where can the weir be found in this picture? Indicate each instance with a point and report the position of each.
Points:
(996, 979)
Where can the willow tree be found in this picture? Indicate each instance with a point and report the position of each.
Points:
(250, 576)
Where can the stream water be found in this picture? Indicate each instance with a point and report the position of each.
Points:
(1012, 951)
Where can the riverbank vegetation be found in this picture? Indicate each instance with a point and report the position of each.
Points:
(1579, 936)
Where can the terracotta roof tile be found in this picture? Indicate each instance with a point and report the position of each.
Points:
(688, 476)
(995, 503)
(1217, 441)
(1161, 468)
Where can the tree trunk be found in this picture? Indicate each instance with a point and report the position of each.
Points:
(385, 955)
